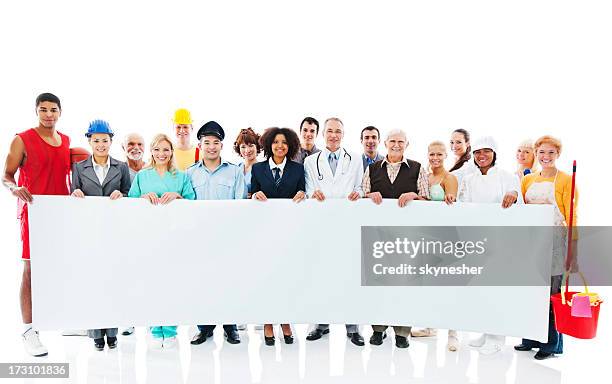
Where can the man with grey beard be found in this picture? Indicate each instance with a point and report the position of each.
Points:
(133, 146)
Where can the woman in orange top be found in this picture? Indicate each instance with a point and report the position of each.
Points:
(551, 186)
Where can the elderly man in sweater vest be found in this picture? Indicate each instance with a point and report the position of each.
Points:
(395, 177)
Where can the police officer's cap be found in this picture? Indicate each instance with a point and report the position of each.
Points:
(211, 128)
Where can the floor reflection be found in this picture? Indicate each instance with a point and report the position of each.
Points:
(333, 359)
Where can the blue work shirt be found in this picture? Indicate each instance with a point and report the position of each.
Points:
(226, 182)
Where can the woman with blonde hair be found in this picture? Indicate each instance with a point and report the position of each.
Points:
(161, 182)
(442, 184)
(551, 186)
(525, 158)
(442, 187)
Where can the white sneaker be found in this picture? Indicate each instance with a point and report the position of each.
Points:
(258, 327)
(74, 332)
(128, 331)
(169, 342)
(427, 332)
(32, 344)
(479, 341)
(241, 327)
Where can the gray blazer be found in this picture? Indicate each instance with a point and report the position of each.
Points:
(85, 179)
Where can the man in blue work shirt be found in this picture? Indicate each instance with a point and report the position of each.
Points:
(215, 179)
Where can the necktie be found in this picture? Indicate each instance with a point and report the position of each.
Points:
(277, 176)
(370, 161)
(333, 163)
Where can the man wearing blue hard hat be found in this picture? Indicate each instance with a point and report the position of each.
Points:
(215, 179)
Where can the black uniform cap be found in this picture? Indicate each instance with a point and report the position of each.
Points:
(211, 128)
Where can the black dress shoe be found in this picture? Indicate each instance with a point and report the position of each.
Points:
(543, 355)
(232, 337)
(201, 337)
(522, 348)
(269, 340)
(316, 334)
(99, 344)
(377, 338)
(356, 339)
(288, 339)
(112, 342)
(401, 341)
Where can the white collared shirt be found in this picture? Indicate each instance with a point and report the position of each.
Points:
(273, 165)
(101, 170)
(328, 153)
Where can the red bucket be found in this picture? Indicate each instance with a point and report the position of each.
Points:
(579, 327)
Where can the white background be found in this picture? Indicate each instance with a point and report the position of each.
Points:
(513, 70)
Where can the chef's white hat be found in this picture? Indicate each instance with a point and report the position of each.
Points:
(484, 142)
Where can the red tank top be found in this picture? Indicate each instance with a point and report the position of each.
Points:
(47, 168)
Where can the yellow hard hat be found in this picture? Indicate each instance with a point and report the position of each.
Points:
(182, 116)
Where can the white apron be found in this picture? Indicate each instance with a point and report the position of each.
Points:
(543, 192)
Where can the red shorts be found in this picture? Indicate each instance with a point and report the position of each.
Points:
(25, 234)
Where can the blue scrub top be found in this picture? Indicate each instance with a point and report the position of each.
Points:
(148, 180)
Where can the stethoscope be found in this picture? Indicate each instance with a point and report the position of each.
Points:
(343, 165)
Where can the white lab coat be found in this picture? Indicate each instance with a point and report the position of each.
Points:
(490, 188)
(348, 178)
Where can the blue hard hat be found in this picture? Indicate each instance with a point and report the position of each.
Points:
(99, 126)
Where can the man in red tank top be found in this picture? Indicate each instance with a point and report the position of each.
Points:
(42, 157)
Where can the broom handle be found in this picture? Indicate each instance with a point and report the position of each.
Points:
(571, 223)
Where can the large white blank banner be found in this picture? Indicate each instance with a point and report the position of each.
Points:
(98, 263)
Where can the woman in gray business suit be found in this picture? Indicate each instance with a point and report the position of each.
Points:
(101, 175)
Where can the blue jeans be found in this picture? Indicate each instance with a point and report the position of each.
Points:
(555, 339)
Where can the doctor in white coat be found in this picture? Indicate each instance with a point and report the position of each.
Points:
(334, 173)
(489, 184)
